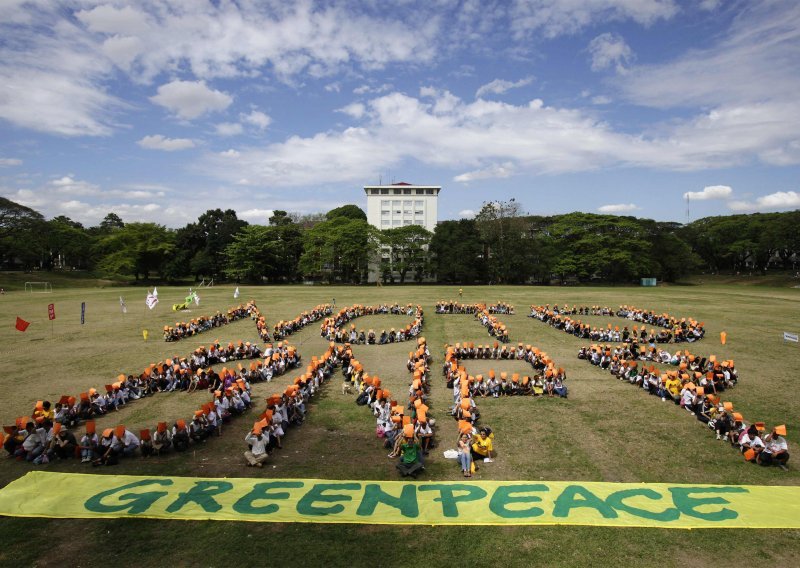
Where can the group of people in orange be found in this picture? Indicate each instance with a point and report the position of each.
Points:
(182, 330)
(695, 386)
(49, 431)
(673, 330)
(285, 328)
(333, 328)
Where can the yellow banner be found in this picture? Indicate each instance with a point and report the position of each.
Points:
(66, 495)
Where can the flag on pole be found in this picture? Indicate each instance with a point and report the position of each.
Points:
(22, 325)
(196, 298)
(123, 305)
(144, 334)
(236, 293)
(152, 299)
(83, 312)
(155, 291)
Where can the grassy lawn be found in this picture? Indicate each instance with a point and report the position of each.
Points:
(605, 431)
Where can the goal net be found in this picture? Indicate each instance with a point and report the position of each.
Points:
(38, 287)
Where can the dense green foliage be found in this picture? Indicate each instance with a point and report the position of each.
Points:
(502, 245)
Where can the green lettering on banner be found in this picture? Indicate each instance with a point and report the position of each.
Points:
(406, 503)
(261, 491)
(687, 505)
(617, 500)
(203, 494)
(450, 500)
(566, 502)
(504, 496)
(139, 502)
(305, 506)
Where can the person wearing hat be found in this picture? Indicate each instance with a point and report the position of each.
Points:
(90, 443)
(63, 442)
(257, 454)
(108, 454)
(126, 442)
(410, 451)
(162, 439)
(180, 436)
(776, 450)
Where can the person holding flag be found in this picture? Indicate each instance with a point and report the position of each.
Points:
(152, 299)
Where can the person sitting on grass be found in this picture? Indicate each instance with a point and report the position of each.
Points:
(63, 443)
(162, 439)
(424, 432)
(257, 454)
(126, 441)
(180, 436)
(410, 451)
(107, 455)
(776, 450)
(750, 440)
(90, 444)
(482, 444)
(465, 455)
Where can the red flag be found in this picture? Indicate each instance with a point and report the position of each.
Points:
(22, 325)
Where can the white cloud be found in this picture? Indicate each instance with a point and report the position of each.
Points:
(754, 62)
(494, 171)
(230, 153)
(618, 208)
(356, 110)
(369, 89)
(257, 118)
(771, 202)
(709, 192)
(228, 128)
(260, 216)
(500, 86)
(610, 49)
(466, 214)
(601, 100)
(159, 142)
(191, 99)
(557, 17)
(333, 87)
(6, 162)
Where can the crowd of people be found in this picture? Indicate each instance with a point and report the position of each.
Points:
(182, 330)
(695, 386)
(333, 328)
(673, 330)
(285, 328)
(482, 313)
(50, 431)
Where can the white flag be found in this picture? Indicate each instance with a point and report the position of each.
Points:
(151, 300)
(236, 293)
(196, 298)
(123, 305)
(155, 292)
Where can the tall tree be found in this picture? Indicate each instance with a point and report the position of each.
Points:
(338, 250)
(137, 249)
(404, 251)
(457, 253)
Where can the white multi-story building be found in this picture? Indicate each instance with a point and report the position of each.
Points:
(399, 204)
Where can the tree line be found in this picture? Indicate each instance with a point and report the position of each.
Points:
(501, 244)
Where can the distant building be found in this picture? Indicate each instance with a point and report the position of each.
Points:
(397, 205)
(392, 206)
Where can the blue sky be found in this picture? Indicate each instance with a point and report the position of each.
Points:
(158, 111)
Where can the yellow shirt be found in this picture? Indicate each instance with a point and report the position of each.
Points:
(673, 386)
(482, 445)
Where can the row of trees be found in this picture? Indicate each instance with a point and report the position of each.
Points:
(500, 245)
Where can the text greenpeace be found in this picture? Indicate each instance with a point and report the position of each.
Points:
(42, 494)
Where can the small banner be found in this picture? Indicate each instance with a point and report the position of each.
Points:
(790, 337)
(662, 505)
(83, 312)
(51, 311)
(21, 324)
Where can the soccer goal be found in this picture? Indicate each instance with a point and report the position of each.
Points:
(41, 287)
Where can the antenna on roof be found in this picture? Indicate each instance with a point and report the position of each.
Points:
(380, 179)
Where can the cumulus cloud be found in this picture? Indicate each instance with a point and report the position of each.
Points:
(773, 201)
(608, 50)
(618, 208)
(6, 162)
(709, 192)
(356, 110)
(159, 142)
(466, 214)
(191, 99)
(558, 17)
(494, 171)
(228, 128)
(260, 216)
(256, 118)
(500, 86)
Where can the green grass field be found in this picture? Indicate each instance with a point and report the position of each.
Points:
(605, 431)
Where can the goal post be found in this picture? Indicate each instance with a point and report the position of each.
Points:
(40, 287)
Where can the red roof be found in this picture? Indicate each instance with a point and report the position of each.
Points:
(402, 183)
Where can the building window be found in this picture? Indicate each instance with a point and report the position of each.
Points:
(396, 192)
(420, 191)
(396, 202)
(406, 192)
(418, 203)
(398, 212)
(375, 191)
(418, 213)
(385, 203)
(396, 222)
(406, 222)
(385, 213)
(429, 192)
